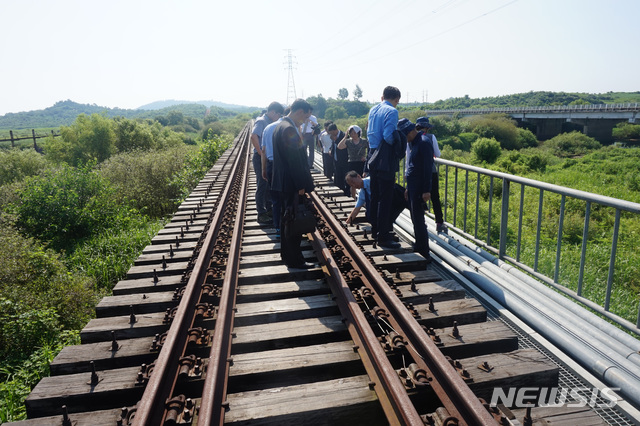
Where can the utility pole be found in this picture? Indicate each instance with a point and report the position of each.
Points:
(291, 85)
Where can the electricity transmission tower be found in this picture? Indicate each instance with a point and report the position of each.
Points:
(291, 85)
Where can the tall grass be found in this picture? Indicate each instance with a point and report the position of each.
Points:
(591, 174)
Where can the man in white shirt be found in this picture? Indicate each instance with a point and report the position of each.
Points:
(309, 132)
(327, 158)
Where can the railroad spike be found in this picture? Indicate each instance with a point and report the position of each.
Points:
(66, 421)
(155, 277)
(132, 316)
(114, 343)
(94, 376)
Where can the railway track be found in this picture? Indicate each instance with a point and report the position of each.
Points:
(209, 327)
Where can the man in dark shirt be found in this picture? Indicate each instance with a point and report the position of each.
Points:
(418, 176)
(291, 177)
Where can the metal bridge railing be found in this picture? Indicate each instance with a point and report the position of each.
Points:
(469, 202)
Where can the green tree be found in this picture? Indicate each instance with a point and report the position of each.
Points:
(174, 118)
(357, 93)
(571, 144)
(319, 105)
(486, 149)
(68, 204)
(343, 93)
(626, 132)
(526, 138)
(89, 138)
(335, 113)
(500, 127)
(16, 164)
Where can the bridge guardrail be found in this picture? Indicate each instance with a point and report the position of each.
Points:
(508, 236)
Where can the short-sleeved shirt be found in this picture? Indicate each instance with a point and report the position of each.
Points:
(267, 139)
(383, 120)
(364, 194)
(357, 152)
(325, 139)
(259, 126)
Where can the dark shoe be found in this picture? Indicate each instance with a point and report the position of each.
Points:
(395, 238)
(264, 219)
(425, 254)
(441, 227)
(389, 244)
(270, 213)
(304, 265)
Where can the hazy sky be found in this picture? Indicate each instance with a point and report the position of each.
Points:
(127, 53)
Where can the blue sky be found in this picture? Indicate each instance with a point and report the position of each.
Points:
(127, 53)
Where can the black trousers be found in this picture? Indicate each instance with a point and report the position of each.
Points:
(381, 202)
(357, 166)
(290, 250)
(341, 171)
(435, 198)
(328, 164)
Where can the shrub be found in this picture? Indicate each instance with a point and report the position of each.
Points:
(89, 138)
(571, 144)
(68, 204)
(467, 139)
(144, 178)
(526, 138)
(16, 164)
(486, 150)
(501, 128)
(39, 294)
(198, 164)
(626, 131)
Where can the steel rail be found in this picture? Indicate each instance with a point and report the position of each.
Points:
(214, 393)
(454, 393)
(150, 410)
(391, 393)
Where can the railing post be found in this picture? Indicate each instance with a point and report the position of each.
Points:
(504, 219)
(11, 136)
(556, 272)
(612, 260)
(583, 251)
(33, 133)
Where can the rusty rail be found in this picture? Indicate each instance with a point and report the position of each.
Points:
(453, 392)
(212, 404)
(151, 408)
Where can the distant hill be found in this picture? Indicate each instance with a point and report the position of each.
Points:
(168, 103)
(64, 113)
(536, 99)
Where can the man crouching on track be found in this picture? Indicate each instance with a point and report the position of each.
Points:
(291, 177)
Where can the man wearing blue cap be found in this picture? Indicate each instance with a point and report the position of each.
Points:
(418, 176)
(423, 125)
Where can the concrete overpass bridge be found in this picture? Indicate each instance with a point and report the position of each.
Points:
(546, 122)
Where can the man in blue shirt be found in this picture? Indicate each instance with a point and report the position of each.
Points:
(274, 112)
(267, 170)
(382, 164)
